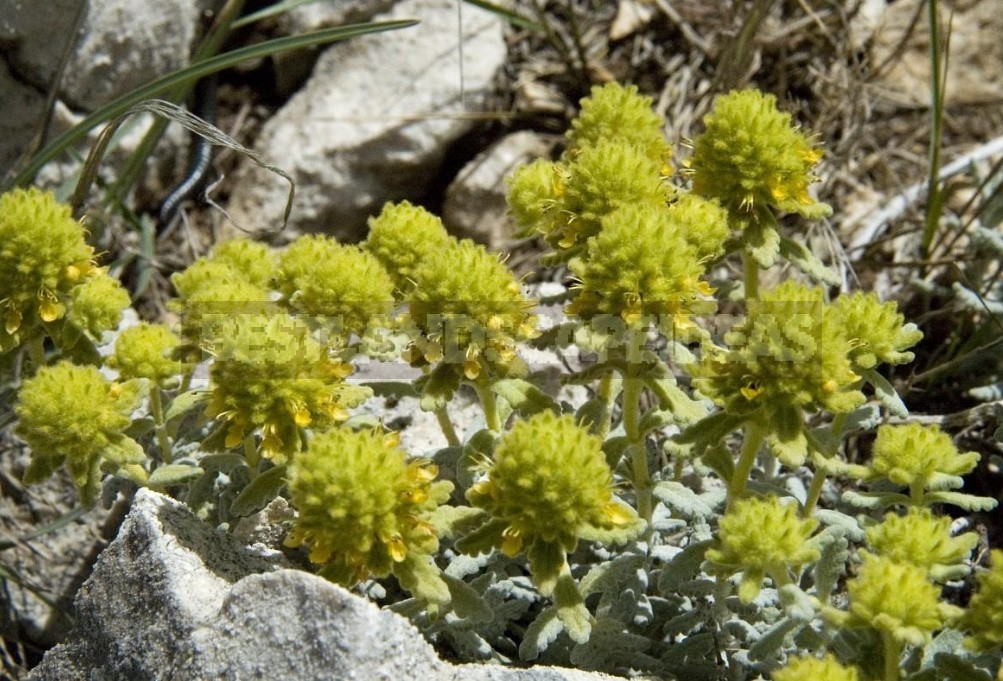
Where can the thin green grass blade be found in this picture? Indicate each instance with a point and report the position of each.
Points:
(939, 52)
(190, 74)
(271, 11)
(511, 16)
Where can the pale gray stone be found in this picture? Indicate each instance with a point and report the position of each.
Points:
(33, 36)
(475, 204)
(172, 599)
(374, 121)
(127, 43)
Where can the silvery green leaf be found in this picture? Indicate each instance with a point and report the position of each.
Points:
(124, 450)
(185, 403)
(866, 417)
(259, 492)
(615, 448)
(969, 502)
(806, 261)
(886, 393)
(687, 503)
(672, 398)
(874, 500)
(769, 644)
(953, 667)
(543, 631)
(437, 387)
(841, 523)
(140, 427)
(831, 565)
(221, 462)
(797, 603)
(683, 568)
(174, 474)
(611, 575)
(465, 601)
(655, 420)
(684, 623)
(524, 397)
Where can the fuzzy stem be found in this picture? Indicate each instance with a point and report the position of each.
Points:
(442, 416)
(632, 388)
(754, 436)
(607, 393)
(814, 492)
(893, 651)
(750, 276)
(157, 409)
(251, 455)
(489, 403)
(916, 493)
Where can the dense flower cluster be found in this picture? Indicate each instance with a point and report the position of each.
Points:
(922, 539)
(898, 599)
(751, 155)
(548, 487)
(73, 415)
(762, 537)
(364, 510)
(469, 311)
(403, 235)
(806, 668)
(97, 303)
(268, 373)
(877, 331)
(615, 112)
(344, 285)
(919, 457)
(145, 351)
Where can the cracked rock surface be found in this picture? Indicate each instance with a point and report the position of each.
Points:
(174, 599)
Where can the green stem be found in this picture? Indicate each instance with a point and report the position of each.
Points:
(157, 407)
(893, 651)
(489, 403)
(251, 455)
(442, 416)
(916, 493)
(754, 436)
(36, 353)
(607, 394)
(814, 492)
(750, 276)
(632, 388)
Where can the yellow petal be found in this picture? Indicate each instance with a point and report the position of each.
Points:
(471, 369)
(750, 392)
(234, 436)
(397, 549)
(302, 417)
(50, 310)
(511, 541)
(12, 321)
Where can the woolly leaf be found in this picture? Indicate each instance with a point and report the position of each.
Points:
(709, 430)
(438, 387)
(465, 601)
(874, 500)
(840, 524)
(615, 448)
(956, 668)
(685, 501)
(655, 420)
(174, 474)
(611, 575)
(546, 558)
(684, 567)
(806, 261)
(543, 631)
(450, 521)
(571, 609)
(612, 648)
(770, 643)
(886, 393)
(593, 414)
(797, 603)
(671, 397)
(422, 579)
(524, 397)
(969, 502)
(259, 492)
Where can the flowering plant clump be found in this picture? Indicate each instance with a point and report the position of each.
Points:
(613, 500)
(365, 510)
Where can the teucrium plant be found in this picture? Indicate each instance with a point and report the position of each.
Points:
(644, 526)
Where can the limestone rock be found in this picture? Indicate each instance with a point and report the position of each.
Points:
(172, 599)
(475, 204)
(127, 43)
(374, 121)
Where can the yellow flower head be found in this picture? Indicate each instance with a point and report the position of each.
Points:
(401, 236)
(919, 457)
(268, 374)
(548, 486)
(343, 284)
(73, 415)
(762, 537)
(96, 304)
(621, 114)
(534, 196)
(876, 330)
(639, 264)
(469, 311)
(144, 351)
(808, 668)
(751, 155)
(364, 510)
(898, 599)
(43, 255)
(922, 539)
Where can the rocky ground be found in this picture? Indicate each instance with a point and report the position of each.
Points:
(442, 112)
